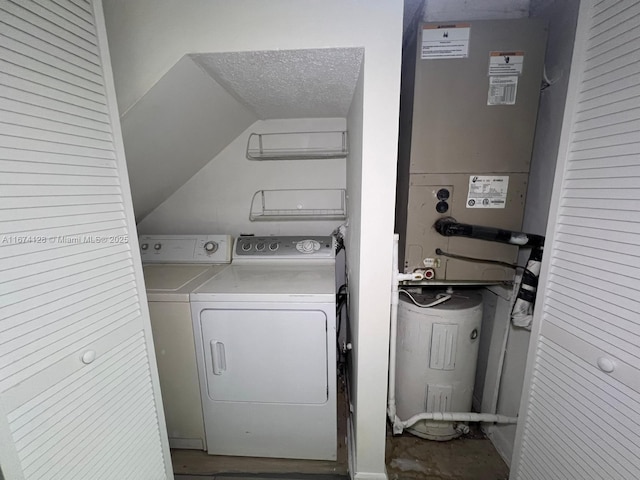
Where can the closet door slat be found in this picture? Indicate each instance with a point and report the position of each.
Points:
(580, 409)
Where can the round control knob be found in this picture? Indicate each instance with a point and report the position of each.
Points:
(157, 246)
(210, 247)
(260, 247)
(308, 246)
(274, 246)
(246, 247)
(144, 246)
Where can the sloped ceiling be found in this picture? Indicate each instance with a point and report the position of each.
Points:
(288, 83)
(175, 129)
(206, 100)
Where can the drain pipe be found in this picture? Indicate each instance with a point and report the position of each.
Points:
(398, 424)
(452, 417)
(397, 277)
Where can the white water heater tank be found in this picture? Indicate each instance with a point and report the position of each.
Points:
(437, 352)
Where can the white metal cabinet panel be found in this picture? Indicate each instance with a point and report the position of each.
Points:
(265, 356)
(79, 393)
(175, 352)
(278, 427)
(444, 339)
(581, 410)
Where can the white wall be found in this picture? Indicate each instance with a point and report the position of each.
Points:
(562, 16)
(354, 199)
(218, 197)
(175, 129)
(146, 37)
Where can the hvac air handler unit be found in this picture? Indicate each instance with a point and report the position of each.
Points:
(468, 114)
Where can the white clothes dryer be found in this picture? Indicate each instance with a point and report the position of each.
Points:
(265, 342)
(174, 265)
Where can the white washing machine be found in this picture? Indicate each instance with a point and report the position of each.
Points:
(174, 265)
(265, 342)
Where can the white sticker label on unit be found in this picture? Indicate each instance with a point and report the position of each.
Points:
(502, 90)
(506, 63)
(487, 191)
(431, 262)
(445, 41)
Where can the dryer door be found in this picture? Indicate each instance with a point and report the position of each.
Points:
(265, 356)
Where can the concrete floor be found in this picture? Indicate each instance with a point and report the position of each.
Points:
(407, 458)
(194, 463)
(188, 464)
(470, 458)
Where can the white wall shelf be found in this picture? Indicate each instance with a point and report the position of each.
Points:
(297, 145)
(303, 204)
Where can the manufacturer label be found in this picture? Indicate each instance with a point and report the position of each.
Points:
(502, 90)
(445, 41)
(431, 262)
(487, 191)
(506, 63)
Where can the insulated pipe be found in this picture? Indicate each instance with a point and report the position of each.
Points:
(522, 309)
(449, 227)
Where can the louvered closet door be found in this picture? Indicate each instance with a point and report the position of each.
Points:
(580, 415)
(79, 396)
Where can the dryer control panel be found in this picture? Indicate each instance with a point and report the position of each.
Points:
(284, 247)
(185, 248)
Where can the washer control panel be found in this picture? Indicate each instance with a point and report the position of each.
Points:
(185, 248)
(284, 247)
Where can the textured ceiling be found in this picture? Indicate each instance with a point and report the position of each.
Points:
(288, 83)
